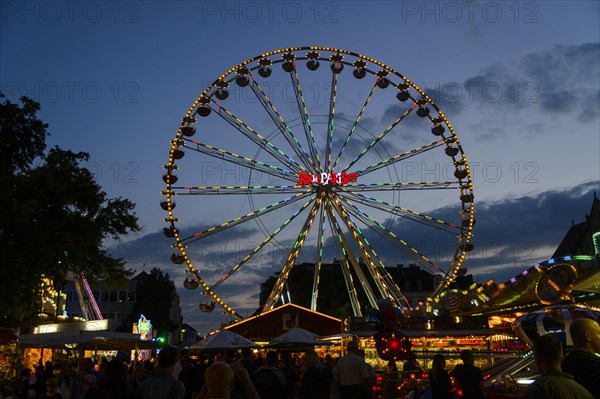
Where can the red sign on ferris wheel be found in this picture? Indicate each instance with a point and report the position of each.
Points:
(337, 179)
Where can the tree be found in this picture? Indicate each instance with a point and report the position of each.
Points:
(153, 299)
(54, 216)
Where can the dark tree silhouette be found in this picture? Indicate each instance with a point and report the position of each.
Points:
(53, 216)
(153, 299)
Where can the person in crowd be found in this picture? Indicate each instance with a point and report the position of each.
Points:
(113, 384)
(316, 379)
(25, 388)
(162, 385)
(39, 384)
(65, 381)
(51, 390)
(269, 380)
(352, 374)
(136, 376)
(292, 375)
(553, 382)
(86, 368)
(246, 360)
(329, 362)
(412, 364)
(583, 361)
(390, 379)
(190, 376)
(219, 380)
(439, 379)
(90, 390)
(469, 377)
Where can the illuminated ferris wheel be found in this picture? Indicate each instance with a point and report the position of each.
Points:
(316, 155)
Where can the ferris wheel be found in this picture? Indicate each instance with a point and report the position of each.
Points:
(318, 155)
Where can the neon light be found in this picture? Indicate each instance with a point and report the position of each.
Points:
(321, 179)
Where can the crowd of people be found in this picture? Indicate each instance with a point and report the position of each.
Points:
(239, 375)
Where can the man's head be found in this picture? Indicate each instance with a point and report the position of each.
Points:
(311, 357)
(228, 356)
(167, 358)
(352, 347)
(548, 353)
(246, 353)
(467, 356)
(271, 358)
(219, 379)
(87, 365)
(186, 362)
(585, 334)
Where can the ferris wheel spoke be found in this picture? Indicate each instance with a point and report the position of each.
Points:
(236, 190)
(286, 132)
(391, 237)
(262, 244)
(353, 259)
(249, 216)
(258, 139)
(385, 275)
(418, 185)
(338, 240)
(303, 111)
(231, 157)
(397, 158)
(331, 121)
(285, 271)
(360, 240)
(380, 137)
(404, 213)
(351, 132)
(317, 271)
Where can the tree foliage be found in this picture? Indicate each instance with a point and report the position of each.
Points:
(154, 296)
(54, 216)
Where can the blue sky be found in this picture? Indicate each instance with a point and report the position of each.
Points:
(520, 82)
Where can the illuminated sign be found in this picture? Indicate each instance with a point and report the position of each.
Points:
(336, 179)
(144, 328)
(72, 328)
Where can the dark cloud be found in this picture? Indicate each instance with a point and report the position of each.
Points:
(448, 98)
(560, 80)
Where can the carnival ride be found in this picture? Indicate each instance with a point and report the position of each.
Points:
(552, 282)
(333, 150)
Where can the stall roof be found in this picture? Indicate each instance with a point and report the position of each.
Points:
(101, 340)
(270, 324)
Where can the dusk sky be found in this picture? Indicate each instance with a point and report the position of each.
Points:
(519, 81)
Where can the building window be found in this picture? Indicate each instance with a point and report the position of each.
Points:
(131, 296)
(419, 285)
(122, 296)
(112, 296)
(407, 285)
(104, 296)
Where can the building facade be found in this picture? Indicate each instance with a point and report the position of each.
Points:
(117, 303)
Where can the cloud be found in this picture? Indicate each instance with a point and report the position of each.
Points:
(562, 80)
